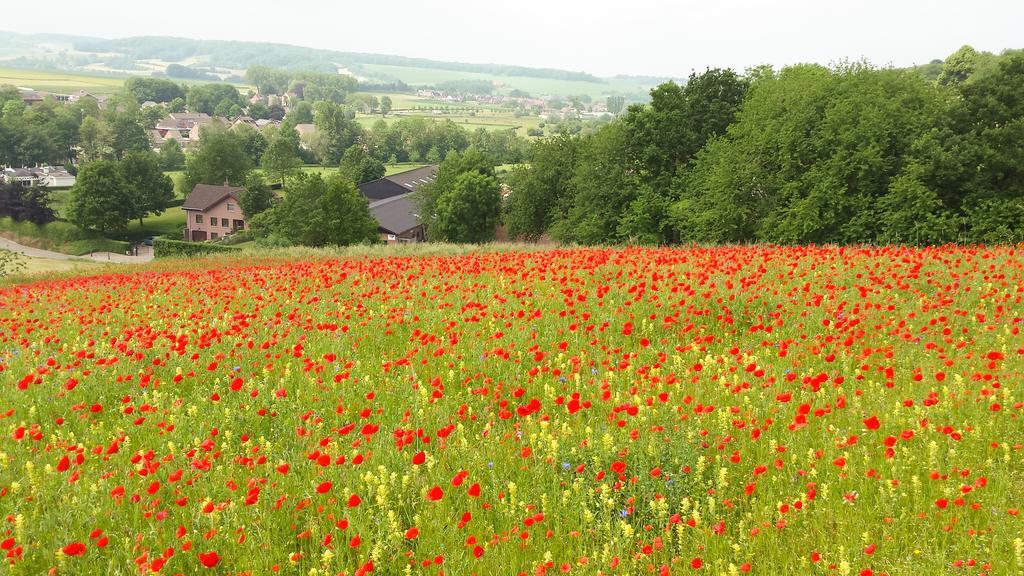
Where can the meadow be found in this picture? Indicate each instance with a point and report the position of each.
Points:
(61, 82)
(727, 410)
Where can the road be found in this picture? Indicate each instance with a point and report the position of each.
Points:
(145, 254)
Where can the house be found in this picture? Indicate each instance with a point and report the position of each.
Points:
(212, 211)
(306, 134)
(392, 205)
(25, 177)
(246, 120)
(57, 177)
(101, 101)
(30, 97)
(48, 176)
(182, 126)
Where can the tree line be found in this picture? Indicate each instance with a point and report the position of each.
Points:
(806, 154)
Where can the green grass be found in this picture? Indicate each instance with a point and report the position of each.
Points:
(178, 177)
(61, 82)
(389, 169)
(488, 120)
(37, 266)
(59, 237)
(168, 224)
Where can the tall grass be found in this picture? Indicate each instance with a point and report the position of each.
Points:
(59, 237)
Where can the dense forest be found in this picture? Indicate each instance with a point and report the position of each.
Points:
(806, 154)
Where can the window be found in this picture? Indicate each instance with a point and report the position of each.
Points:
(199, 218)
(231, 207)
(213, 235)
(391, 237)
(224, 222)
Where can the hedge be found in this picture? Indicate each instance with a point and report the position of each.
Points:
(164, 248)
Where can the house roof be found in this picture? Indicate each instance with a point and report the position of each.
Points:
(31, 96)
(192, 116)
(395, 215)
(397, 184)
(206, 196)
(305, 129)
(179, 123)
(413, 178)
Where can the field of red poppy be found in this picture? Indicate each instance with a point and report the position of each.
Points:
(639, 411)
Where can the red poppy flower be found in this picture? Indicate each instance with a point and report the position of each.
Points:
(209, 559)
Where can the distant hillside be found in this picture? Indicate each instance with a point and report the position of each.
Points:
(231, 54)
(152, 55)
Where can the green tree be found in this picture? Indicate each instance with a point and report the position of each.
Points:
(974, 160)
(318, 212)
(359, 167)
(810, 155)
(427, 196)
(30, 204)
(959, 66)
(280, 159)
(95, 141)
(100, 199)
(207, 97)
(126, 133)
(253, 141)
(171, 155)
(257, 196)
(258, 111)
(151, 190)
(301, 113)
(153, 89)
(602, 189)
(385, 105)
(336, 131)
(615, 104)
(911, 213)
(540, 186)
(469, 211)
(219, 158)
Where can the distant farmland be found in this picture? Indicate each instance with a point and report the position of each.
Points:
(61, 82)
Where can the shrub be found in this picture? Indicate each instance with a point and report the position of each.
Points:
(164, 248)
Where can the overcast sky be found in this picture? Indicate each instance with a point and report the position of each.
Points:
(657, 37)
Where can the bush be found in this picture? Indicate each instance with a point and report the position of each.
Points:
(237, 238)
(81, 247)
(163, 248)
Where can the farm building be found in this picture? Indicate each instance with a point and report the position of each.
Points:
(391, 204)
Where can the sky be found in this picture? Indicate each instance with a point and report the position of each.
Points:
(640, 37)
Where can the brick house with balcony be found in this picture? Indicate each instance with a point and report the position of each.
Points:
(212, 212)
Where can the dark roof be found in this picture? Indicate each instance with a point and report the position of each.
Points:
(395, 215)
(33, 95)
(205, 196)
(413, 178)
(381, 188)
(397, 184)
